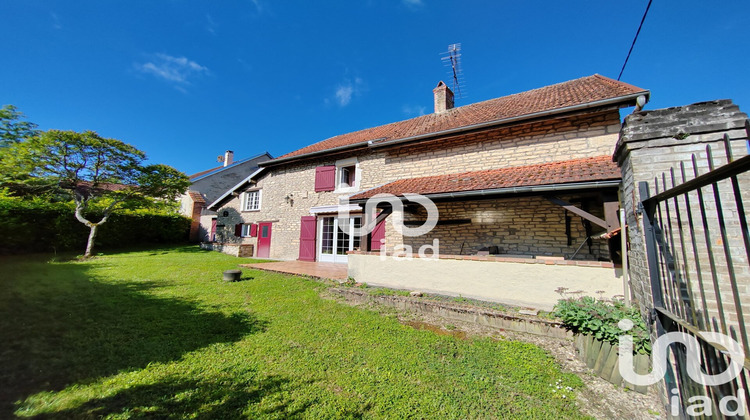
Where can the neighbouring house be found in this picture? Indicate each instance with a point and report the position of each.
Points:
(524, 182)
(206, 186)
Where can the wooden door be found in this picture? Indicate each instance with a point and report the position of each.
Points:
(264, 239)
(307, 229)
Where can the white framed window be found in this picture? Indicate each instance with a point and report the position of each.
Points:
(251, 201)
(246, 229)
(347, 175)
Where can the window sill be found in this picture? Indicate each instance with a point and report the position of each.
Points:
(346, 190)
(250, 211)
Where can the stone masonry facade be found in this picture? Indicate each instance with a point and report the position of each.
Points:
(652, 143)
(519, 145)
(592, 134)
(517, 226)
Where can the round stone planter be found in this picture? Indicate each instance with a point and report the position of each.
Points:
(232, 275)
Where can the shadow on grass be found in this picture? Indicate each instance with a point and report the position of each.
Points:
(181, 398)
(58, 326)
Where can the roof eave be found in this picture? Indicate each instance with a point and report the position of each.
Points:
(531, 189)
(279, 161)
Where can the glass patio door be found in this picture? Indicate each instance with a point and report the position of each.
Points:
(335, 242)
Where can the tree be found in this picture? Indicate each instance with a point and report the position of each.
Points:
(12, 128)
(99, 173)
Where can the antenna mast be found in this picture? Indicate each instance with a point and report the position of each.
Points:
(452, 60)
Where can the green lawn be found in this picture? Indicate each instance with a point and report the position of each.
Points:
(157, 334)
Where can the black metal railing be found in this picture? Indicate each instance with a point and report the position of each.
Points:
(698, 249)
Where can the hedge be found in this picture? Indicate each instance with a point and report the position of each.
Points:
(34, 226)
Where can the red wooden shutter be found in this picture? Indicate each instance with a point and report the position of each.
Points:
(307, 238)
(377, 234)
(325, 178)
(238, 229)
(253, 230)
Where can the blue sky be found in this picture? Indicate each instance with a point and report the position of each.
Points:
(186, 80)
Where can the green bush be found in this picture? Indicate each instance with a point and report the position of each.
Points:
(37, 226)
(587, 315)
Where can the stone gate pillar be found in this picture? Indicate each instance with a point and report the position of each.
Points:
(652, 142)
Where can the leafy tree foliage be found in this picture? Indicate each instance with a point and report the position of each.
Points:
(100, 173)
(12, 127)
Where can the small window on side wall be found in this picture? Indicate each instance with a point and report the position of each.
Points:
(347, 176)
(247, 230)
(252, 201)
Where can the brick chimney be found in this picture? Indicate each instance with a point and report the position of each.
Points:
(228, 157)
(443, 98)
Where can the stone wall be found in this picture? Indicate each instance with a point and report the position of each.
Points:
(518, 145)
(519, 226)
(652, 143)
(298, 182)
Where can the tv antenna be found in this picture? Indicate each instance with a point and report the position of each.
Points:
(452, 60)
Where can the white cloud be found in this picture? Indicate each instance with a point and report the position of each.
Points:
(412, 110)
(210, 25)
(172, 69)
(258, 5)
(55, 21)
(346, 90)
(344, 94)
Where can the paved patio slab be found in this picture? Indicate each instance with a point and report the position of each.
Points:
(319, 270)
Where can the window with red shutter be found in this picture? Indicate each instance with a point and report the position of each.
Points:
(253, 230)
(325, 178)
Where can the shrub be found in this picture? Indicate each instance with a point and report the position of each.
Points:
(598, 317)
(38, 226)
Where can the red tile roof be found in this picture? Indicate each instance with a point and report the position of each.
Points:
(575, 92)
(102, 186)
(600, 168)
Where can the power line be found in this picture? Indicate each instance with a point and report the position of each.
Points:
(634, 39)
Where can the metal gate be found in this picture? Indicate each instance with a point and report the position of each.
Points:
(698, 249)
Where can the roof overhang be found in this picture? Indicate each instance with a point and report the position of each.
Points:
(335, 208)
(228, 194)
(511, 191)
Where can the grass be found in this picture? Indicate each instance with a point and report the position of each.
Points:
(157, 334)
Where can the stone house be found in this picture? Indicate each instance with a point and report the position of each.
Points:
(206, 186)
(526, 178)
